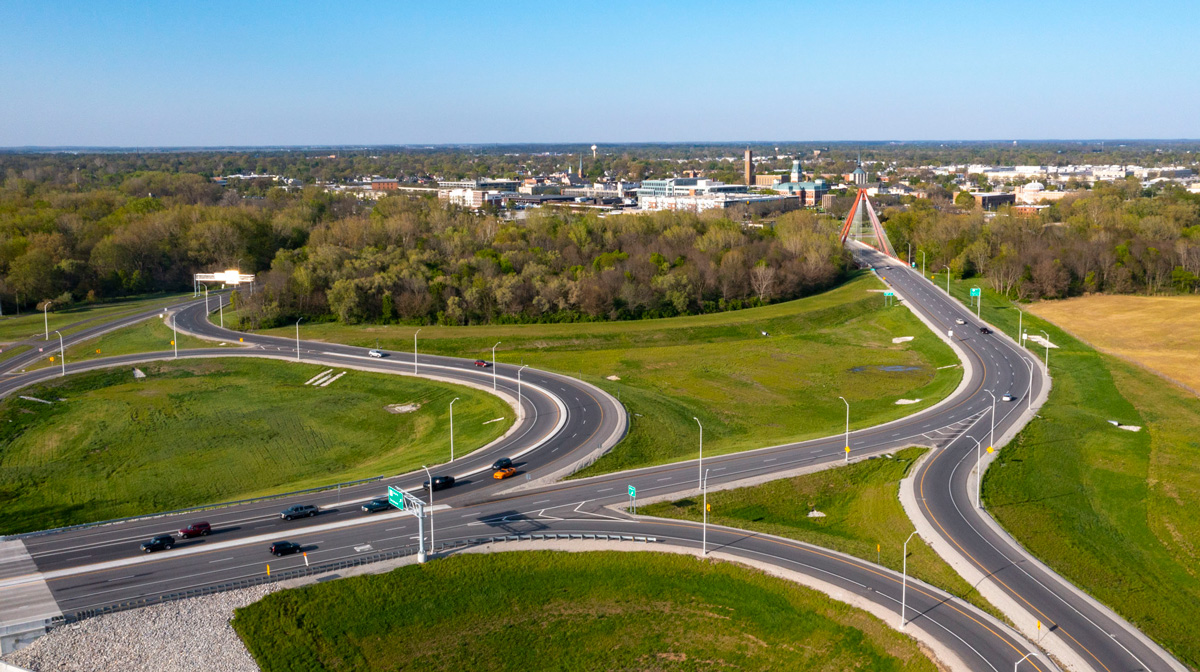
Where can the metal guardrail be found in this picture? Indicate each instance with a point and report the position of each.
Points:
(300, 572)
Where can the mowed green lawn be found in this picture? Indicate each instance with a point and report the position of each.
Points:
(863, 517)
(567, 611)
(1116, 512)
(749, 390)
(205, 431)
(19, 327)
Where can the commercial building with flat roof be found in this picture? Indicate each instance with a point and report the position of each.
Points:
(752, 203)
(809, 193)
(687, 186)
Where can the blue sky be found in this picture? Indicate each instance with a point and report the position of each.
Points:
(258, 73)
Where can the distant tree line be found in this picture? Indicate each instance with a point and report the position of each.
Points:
(1116, 238)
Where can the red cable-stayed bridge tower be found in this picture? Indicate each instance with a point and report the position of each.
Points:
(862, 224)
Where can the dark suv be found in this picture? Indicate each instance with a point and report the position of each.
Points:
(195, 530)
(298, 511)
(440, 482)
(282, 548)
(162, 542)
(502, 463)
(376, 505)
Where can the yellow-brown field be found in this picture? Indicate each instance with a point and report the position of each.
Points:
(1161, 333)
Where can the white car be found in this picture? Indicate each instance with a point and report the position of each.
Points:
(375, 353)
(1008, 397)
(959, 320)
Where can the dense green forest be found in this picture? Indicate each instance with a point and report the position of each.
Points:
(1117, 238)
(97, 226)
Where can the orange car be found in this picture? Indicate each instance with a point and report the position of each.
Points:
(503, 473)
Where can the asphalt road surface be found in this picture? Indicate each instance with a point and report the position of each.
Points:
(565, 420)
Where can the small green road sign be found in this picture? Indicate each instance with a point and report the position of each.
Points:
(888, 292)
(975, 291)
(632, 491)
(396, 497)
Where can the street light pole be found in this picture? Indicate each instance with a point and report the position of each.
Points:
(174, 336)
(46, 318)
(978, 475)
(904, 582)
(298, 339)
(1029, 393)
(947, 281)
(452, 428)
(992, 436)
(922, 263)
(494, 364)
(700, 466)
(1023, 660)
(1020, 325)
(1047, 348)
(62, 354)
(221, 311)
(415, 357)
(847, 429)
(520, 407)
(704, 537)
(205, 300)
(430, 477)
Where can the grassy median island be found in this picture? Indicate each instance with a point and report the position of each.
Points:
(1114, 511)
(197, 432)
(862, 513)
(151, 335)
(750, 390)
(567, 611)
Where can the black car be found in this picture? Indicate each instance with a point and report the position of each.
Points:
(162, 542)
(376, 505)
(282, 548)
(502, 463)
(299, 511)
(439, 482)
(984, 330)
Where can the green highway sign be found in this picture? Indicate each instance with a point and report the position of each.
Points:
(396, 497)
(975, 291)
(888, 292)
(632, 491)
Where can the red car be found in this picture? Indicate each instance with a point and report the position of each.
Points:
(481, 363)
(195, 530)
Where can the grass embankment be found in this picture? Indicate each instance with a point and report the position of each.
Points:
(19, 327)
(567, 611)
(206, 431)
(148, 336)
(749, 390)
(1116, 512)
(863, 517)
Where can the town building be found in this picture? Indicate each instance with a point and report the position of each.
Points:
(809, 193)
(384, 184)
(687, 186)
(485, 184)
(748, 167)
(757, 204)
(768, 180)
(990, 200)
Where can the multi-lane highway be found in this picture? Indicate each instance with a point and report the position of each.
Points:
(565, 420)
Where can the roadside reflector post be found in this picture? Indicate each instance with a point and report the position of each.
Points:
(268, 570)
(306, 558)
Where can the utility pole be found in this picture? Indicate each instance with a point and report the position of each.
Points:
(174, 336)
(700, 465)
(704, 538)
(298, 339)
(427, 475)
